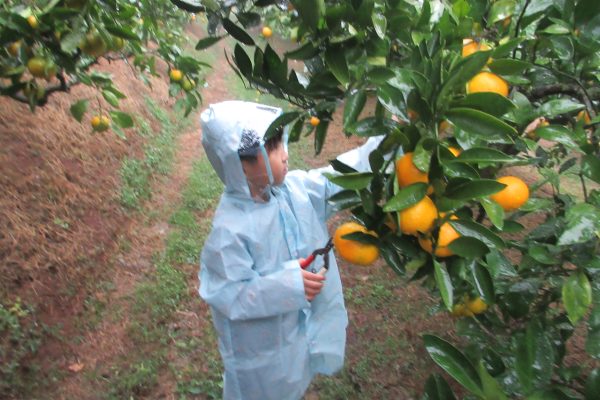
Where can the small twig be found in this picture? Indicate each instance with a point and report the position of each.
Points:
(518, 24)
(585, 195)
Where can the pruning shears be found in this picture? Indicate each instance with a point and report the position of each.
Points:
(324, 252)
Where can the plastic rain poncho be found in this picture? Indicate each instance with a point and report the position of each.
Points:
(271, 339)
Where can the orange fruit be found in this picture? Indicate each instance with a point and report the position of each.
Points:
(188, 84)
(446, 235)
(407, 173)
(514, 195)
(476, 306)
(418, 217)
(314, 121)
(444, 126)
(461, 310)
(583, 115)
(100, 123)
(193, 17)
(454, 150)
(351, 250)
(41, 68)
(412, 115)
(473, 46)
(487, 82)
(506, 22)
(267, 32)
(33, 22)
(175, 75)
(14, 48)
(93, 44)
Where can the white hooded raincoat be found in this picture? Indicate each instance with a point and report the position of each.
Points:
(272, 340)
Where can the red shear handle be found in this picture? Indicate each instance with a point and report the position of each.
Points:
(307, 261)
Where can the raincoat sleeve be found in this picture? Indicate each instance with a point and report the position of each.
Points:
(320, 189)
(229, 283)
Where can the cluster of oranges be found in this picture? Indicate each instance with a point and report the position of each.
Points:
(484, 81)
(177, 76)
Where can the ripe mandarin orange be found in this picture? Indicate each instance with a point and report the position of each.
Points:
(418, 217)
(351, 250)
(487, 82)
(514, 195)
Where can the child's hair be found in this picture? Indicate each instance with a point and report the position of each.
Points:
(248, 150)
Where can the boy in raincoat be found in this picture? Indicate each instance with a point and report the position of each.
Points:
(278, 325)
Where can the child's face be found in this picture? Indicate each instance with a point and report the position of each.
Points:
(278, 158)
(256, 172)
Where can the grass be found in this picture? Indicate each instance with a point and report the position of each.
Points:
(20, 337)
(136, 174)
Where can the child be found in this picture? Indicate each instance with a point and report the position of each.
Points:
(278, 325)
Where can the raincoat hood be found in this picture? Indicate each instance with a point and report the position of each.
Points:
(223, 127)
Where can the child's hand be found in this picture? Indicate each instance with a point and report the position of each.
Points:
(313, 283)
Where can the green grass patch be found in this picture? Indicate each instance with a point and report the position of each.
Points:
(20, 338)
(136, 174)
(204, 187)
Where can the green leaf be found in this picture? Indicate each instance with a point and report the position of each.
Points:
(436, 388)
(70, 42)
(462, 72)
(558, 134)
(509, 66)
(362, 237)
(371, 126)
(238, 33)
(534, 357)
(110, 98)
(303, 52)
(121, 119)
(444, 283)
(391, 98)
(320, 135)
(280, 122)
(481, 124)
(473, 229)
(501, 10)
(488, 102)
(577, 296)
(354, 181)
(491, 388)
(355, 103)
(122, 32)
(189, 5)
(583, 223)
(392, 258)
(78, 109)
(380, 74)
(483, 282)
(468, 247)
(556, 107)
(406, 197)
(473, 189)
(592, 384)
(335, 58)
(494, 211)
(344, 199)
(590, 167)
(380, 24)
(483, 155)
(242, 60)
(451, 360)
(592, 344)
(310, 11)
(206, 42)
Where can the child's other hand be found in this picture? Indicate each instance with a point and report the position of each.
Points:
(313, 283)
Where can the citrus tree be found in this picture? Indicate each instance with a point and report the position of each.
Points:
(49, 46)
(485, 187)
